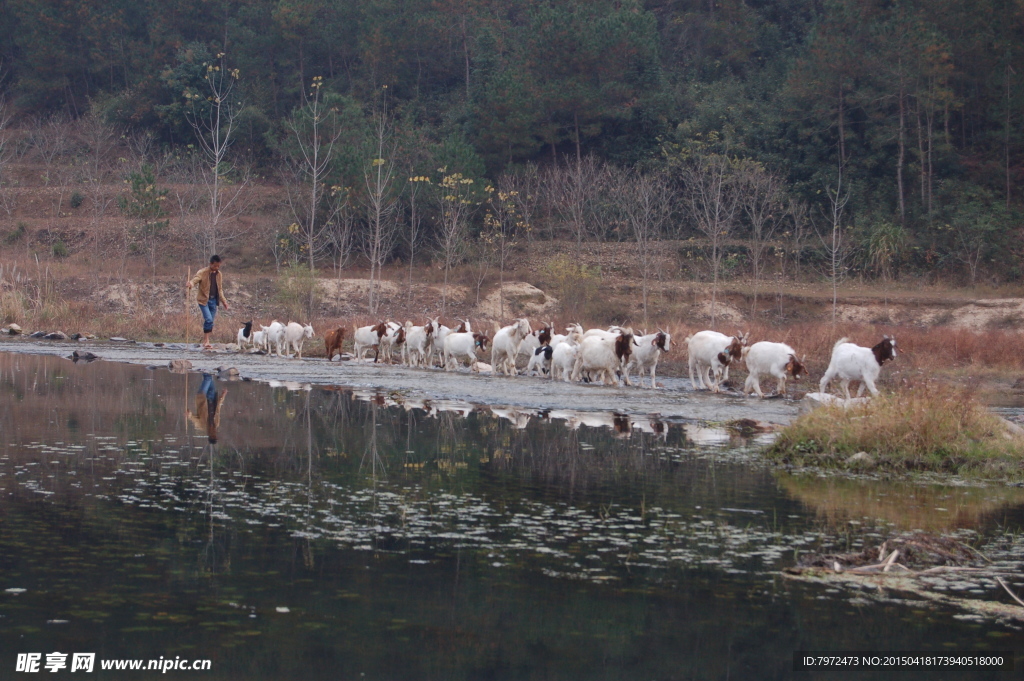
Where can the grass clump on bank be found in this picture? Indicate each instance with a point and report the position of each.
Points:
(928, 427)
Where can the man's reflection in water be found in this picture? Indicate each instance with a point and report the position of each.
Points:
(208, 407)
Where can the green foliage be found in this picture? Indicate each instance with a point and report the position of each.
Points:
(145, 201)
(886, 246)
(77, 199)
(16, 234)
(144, 205)
(59, 249)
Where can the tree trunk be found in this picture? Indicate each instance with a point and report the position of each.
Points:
(842, 128)
(1007, 135)
(576, 123)
(899, 162)
(920, 152)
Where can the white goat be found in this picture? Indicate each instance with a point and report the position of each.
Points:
(275, 336)
(367, 337)
(855, 363)
(770, 359)
(505, 346)
(462, 346)
(647, 353)
(710, 353)
(604, 357)
(259, 339)
(294, 335)
(442, 333)
(563, 359)
(419, 343)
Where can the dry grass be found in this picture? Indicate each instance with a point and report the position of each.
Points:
(927, 427)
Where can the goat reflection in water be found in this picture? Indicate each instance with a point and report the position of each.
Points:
(208, 408)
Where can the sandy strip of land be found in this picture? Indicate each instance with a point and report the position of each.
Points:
(675, 400)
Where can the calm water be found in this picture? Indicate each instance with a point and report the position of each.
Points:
(332, 534)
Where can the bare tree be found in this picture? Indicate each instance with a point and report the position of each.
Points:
(796, 211)
(50, 137)
(413, 235)
(141, 146)
(213, 119)
(454, 198)
(99, 139)
(834, 240)
(341, 230)
(713, 201)
(8, 152)
(483, 253)
(575, 191)
(760, 196)
(505, 223)
(526, 186)
(646, 203)
(381, 202)
(970, 247)
(188, 192)
(316, 131)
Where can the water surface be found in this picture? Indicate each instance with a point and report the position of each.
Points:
(332, 533)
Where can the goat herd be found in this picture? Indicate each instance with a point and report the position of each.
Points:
(607, 355)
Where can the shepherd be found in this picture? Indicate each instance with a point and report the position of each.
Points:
(210, 295)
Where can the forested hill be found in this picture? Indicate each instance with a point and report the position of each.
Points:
(920, 102)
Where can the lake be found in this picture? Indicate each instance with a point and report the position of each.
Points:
(338, 533)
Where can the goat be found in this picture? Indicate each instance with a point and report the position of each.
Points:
(275, 336)
(648, 352)
(573, 331)
(442, 332)
(563, 359)
(505, 346)
(293, 336)
(605, 356)
(332, 342)
(710, 353)
(462, 346)
(245, 335)
(367, 337)
(394, 335)
(535, 339)
(419, 343)
(855, 363)
(540, 361)
(259, 339)
(770, 359)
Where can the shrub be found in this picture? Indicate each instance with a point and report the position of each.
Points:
(77, 199)
(60, 249)
(297, 292)
(16, 234)
(926, 427)
(574, 284)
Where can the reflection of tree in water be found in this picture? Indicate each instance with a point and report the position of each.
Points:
(372, 460)
(215, 556)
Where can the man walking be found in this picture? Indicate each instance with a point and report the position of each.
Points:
(211, 294)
